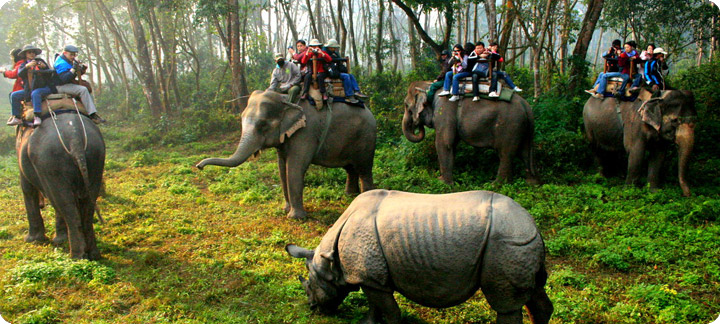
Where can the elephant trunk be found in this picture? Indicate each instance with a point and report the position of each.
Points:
(685, 139)
(408, 127)
(249, 144)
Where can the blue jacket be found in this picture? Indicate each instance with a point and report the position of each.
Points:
(62, 68)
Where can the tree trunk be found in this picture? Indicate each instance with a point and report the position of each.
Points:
(491, 15)
(289, 20)
(414, 51)
(597, 49)
(378, 44)
(449, 19)
(352, 33)
(343, 29)
(594, 9)
(145, 66)
(312, 19)
(507, 25)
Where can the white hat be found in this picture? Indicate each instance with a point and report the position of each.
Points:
(659, 50)
(315, 42)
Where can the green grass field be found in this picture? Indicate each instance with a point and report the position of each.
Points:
(187, 246)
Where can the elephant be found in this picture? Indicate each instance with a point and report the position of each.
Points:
(652, 124)
(507, 127)
(63, 159)
(435, 250)
(343, 136)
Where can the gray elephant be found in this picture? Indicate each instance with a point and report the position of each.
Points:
(507, 127)
(64, 160)
(649, 124)
(436, 250)
(343, 136)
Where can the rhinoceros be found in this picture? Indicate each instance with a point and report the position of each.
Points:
(436, 250)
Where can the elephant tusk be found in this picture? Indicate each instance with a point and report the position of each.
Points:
(421, 89)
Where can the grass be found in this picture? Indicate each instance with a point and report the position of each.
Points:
(187, 246)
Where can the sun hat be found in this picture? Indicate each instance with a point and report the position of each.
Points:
(659, 50)
(28, 48)
(315, 42)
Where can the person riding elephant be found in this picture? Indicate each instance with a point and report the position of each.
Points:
(64, 161)
(649, 124)
(68, 68)
(338, 69)
(507, 127)
(335, 136)
(285, 78)
(41, 86)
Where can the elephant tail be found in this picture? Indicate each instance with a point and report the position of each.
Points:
(77, 151)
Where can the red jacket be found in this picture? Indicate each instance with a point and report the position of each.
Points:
(321, 54)
(624, 62)
(298, 56)
(13, 74)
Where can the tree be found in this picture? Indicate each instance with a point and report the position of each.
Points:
(578, 65)
(446, 8)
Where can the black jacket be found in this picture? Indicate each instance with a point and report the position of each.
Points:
(41, 78)
(337, 65)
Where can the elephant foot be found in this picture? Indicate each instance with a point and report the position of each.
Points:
(60, 238)
(352, 192)
(447, 181)
(36, 238)
(297, 214)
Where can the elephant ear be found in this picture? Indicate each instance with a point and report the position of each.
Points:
(293, 119)
(420, 101)
(651, 112)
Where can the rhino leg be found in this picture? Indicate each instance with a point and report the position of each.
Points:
(540, 307)
(382, 303)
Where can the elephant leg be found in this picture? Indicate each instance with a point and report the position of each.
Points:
(283, 179)
(514, 317)
(635, 159)
(296, 167)
(655, 162)
(88, 230)
(61, 230)
(445, 146)
(65, 204)
(382, 303)
(504, 173)
(352, 186)
(528, 157)
(365, 172)
(41, 200)
(36, 226)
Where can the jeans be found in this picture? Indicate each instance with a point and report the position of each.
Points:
(15, 99)
(602, 80)
(476, 75)
(37, 97)
(456, 82)
(82, 92)
(496, 76)
(349, 84)
(448, 81)
(636, 81)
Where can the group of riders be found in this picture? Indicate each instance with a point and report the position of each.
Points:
(473, 60)
(302, 68)
(626, 63)
(35, 80)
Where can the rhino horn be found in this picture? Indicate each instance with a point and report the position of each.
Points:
(299, 252)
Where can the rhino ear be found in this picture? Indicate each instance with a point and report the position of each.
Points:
(299, 252)
(328, 256)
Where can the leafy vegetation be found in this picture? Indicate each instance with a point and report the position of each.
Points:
(187, 246)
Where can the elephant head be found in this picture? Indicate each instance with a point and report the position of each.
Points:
(325, 286)
(415, 105)
(672, 116)
(268, 121)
